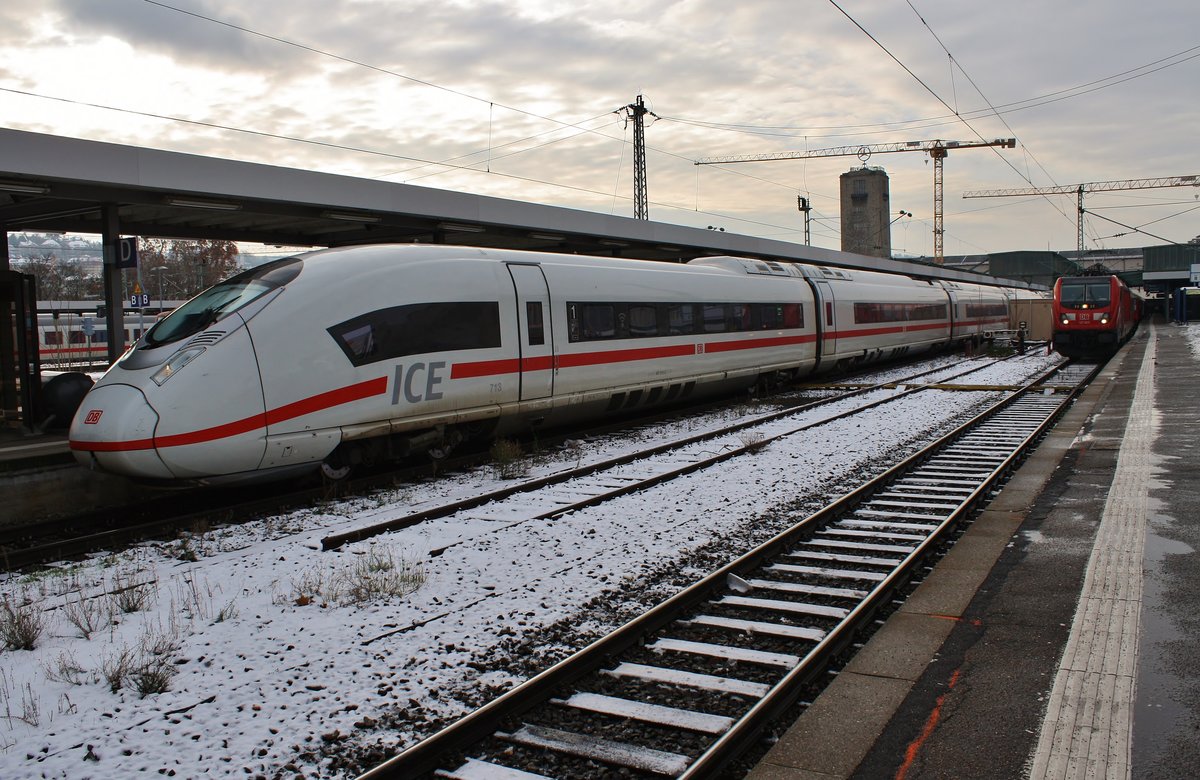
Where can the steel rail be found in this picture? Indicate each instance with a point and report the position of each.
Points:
(431, 753)
(335, 541)
(30, 544)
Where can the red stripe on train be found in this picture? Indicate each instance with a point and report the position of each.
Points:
(316, 403)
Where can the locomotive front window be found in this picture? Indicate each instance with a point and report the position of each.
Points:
(1086, 295)
(221, 300)
(418, 329)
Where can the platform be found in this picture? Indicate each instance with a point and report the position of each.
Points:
(20, 450)
(1057, 639)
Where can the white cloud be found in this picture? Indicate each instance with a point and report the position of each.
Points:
(500, 72)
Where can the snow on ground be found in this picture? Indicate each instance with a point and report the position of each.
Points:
(1192, 331)
(273, 654)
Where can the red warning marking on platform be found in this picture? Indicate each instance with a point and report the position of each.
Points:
(914, 747)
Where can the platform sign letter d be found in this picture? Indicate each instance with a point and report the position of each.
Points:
(127, 253)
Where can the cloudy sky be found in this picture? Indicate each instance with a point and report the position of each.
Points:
(521, 99)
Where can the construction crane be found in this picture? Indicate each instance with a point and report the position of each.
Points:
(1096, 186)
(936, 149)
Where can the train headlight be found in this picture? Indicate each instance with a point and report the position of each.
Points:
(176, 363)
(1103, 319)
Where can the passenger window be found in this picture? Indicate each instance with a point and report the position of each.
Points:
(360, 342)
(418, 329)
(714, 318)
(643, 320)
(681, 319)
(599, 322)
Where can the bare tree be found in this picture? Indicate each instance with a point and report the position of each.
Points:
(180, 268)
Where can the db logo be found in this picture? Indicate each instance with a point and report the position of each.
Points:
(93, 417)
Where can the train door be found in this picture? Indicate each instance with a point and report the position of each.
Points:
(826, 320)
(535, 345)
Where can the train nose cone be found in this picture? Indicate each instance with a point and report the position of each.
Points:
(113, 430)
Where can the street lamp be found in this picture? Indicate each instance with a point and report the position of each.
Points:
(158, 269)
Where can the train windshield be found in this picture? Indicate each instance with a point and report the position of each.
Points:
(222, 299)
(1081, 294)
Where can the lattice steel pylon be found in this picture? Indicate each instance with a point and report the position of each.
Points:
(1096, 186)
(937, 150)
(641, 200)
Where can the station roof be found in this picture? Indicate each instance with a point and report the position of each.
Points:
(53, 183)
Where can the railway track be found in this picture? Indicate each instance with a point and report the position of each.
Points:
(26, 545)
(585, 485)
(684, 689)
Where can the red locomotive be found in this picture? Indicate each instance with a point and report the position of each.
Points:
(1093, 315)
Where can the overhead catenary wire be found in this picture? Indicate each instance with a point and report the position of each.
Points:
(922, 123)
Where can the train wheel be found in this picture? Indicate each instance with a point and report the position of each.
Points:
(337, 466)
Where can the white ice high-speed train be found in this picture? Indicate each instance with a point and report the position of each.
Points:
(346, 355)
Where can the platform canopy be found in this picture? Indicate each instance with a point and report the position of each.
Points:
(51, 183)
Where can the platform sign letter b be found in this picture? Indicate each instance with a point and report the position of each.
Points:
(127, 253)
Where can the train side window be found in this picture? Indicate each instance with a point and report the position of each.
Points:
(769, 316)
(986, 310)
(359, 342)
(681, 319)
(714, 318)
(737, 317)
(829, 313)
(100, 337)
(53, 338)
(599, 322)
(931, 311)
(537, 329)
(418, 329)
(793, 315)
(76, 337)
(643, 320)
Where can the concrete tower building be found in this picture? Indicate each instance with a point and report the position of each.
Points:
(865, 212)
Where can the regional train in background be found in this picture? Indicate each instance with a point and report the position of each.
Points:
(71, 340)
(1093, 315)
(353, 355)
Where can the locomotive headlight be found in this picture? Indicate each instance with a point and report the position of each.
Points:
(176, 364)
(1103, 319)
